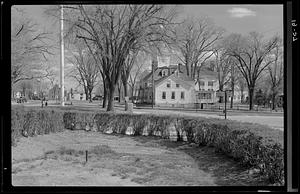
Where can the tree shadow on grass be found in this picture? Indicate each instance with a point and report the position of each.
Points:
(226, 171)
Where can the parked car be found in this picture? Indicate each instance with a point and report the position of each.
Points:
(116, 98)
(134, 99)
(97, 98)
(36, 98)
(21, 99)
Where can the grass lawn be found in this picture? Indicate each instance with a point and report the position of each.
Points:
(115, 160)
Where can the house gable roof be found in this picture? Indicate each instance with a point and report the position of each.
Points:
(181, 79)
(208, 74)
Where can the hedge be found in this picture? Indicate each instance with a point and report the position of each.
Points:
(252, 145)
(31, 122)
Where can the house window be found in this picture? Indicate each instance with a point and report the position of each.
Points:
(173, 95)
(208, 96)
(168, 85)
(177, 85)
(163, 95)
(210, 83)
(182, 95)
(145, 84)
(201, 83)
(200, 96)
(204, 96)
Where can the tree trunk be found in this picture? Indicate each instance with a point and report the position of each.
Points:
(105, 92)
(119, 91)
(136, 92)
(105, 96)
(221, 87)
(24, 91)
(125, 86)
(132, 93)
(110, 105)
(231, 100)
(221, 99)
(90, 94)
(104, 102)
(242, 95)
(251, 94)
(188, 67)
(273, 101)
(86, 93)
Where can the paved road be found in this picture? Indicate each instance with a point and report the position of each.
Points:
(274, 120)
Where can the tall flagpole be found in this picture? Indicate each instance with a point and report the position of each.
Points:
(62, 84)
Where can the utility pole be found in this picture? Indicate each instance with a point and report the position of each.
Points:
(153, 88)
(225, 104)
(62, 84)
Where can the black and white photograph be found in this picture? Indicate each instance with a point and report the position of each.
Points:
(148, 95)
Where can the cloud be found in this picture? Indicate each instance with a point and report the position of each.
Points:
(238, 12)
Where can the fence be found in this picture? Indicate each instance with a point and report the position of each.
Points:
(245, 107)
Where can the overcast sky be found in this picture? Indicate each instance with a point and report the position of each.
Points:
(266, 19)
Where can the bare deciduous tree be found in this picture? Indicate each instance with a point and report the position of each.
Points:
(194, 40)
(222, 67)
(234, 77)
(136, 73)
(275, 72)
(85, 70)
(242, 87)
(29, 49)
(125, 73)
(114, 31)
(250, 53)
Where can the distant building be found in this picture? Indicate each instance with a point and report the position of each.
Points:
(206, 86)
(79, 95)
(238, 95)
(54, 93)
(174, 88)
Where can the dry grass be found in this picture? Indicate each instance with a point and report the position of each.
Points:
(122, 160)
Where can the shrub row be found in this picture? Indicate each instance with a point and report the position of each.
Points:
(263, 151)
(31, 122)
